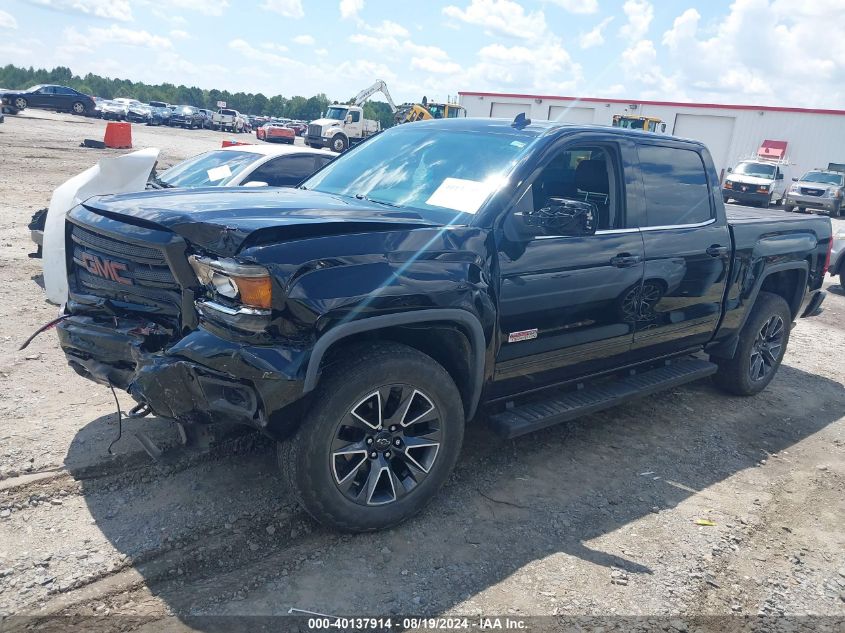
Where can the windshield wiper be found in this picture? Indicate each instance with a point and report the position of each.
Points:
(158, 183)
(361, 196)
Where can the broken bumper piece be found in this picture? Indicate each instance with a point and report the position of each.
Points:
(200, 379)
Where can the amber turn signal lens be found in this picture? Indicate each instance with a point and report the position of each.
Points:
(254, 291)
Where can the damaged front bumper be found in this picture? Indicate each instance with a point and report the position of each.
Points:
(200, 379)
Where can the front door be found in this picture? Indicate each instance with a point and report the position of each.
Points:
(687, 252)
(566, 302)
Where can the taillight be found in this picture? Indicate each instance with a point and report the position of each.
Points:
(827, 258)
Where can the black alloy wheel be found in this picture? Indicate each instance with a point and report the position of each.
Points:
(767, 349)
(386, 445)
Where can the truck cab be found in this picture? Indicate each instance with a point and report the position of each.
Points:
(340, 127)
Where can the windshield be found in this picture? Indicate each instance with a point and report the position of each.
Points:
(336, 113)
(427, 169)
(755, 169)
(35, 88)
(212, 169)
(820, 176)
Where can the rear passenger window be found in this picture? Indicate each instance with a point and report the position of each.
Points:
(675, 184)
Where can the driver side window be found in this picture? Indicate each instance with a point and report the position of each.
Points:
(587, 173)
(356, 116)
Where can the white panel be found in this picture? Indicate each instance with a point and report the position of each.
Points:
(565, 114)
(714, 131)
(509, 110)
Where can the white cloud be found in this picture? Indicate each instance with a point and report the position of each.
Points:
(578, 6)
(206, 7)
(435, 66)
(594, 37)
(763, 51)
(119, 35)
(7, 21)
(321, 52)
(350, 8)
(110, 9)
(640, 13)
(504, 17)
(272, 46)
(287, 8)
(179, 34)
(387, 28)
(304, 40)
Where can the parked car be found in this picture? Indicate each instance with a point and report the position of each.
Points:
(757, 182)
(273, 132)
(188, 117)
(253, 165)
(821, 189)
(208, 116)
(435, 270)
(138, 112)
(298, 127)
(228, 120)
(111, 110)
(52, 97)
(160, 113)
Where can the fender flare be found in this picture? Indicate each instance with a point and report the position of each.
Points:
(727, 348)
(469, 322)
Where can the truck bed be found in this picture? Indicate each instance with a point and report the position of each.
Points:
(750, 227)
(747, 215)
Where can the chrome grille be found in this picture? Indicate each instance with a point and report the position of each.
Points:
(314, 130)
(807, 191)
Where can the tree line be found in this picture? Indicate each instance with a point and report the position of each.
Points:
(296, 107)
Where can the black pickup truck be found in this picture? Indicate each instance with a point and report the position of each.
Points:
(534, 272)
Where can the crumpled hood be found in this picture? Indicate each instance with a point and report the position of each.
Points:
(224, 219)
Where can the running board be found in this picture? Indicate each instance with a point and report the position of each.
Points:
(540, 414)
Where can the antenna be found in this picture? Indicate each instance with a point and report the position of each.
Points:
(520, 121)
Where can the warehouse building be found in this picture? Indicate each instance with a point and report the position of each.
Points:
(813, 137)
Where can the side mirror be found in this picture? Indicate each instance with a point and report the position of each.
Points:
(256, 183)
(348, 118)
(730, 169)
(564, 217)
(794, 180)
(780, 177)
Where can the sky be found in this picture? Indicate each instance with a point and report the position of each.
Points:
(761, 52)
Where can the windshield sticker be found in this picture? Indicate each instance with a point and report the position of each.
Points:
(461, 195)
(218, 173)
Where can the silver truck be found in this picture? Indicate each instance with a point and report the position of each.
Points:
(821, 189)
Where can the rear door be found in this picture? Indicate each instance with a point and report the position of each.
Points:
(687, 250)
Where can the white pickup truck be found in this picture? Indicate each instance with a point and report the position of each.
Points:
(342, 126)
(227, 120)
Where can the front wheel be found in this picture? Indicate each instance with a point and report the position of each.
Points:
(21, 103)
(339, 143)
(762, 344)
(789, 208)
(383, 434)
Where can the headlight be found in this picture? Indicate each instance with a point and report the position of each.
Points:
(246, 284)
(728, 185)
(763, 189)
(794, 189)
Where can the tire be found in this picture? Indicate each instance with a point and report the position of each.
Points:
(339, 143)
(367, 380)
(726, 199)
(78, 107)
(802, 210)
(789, 208)
(752, 367)
(21, 103)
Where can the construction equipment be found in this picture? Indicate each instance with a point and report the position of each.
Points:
(378, 86)
(410, 112)
(645, 123)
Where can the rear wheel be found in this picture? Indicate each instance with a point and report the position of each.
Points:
(78, 107)
(762, 344)
(381, 438)
(789, 208)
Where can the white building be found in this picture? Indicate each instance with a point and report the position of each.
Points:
(732, 132)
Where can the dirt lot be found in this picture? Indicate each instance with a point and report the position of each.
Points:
(595, 517)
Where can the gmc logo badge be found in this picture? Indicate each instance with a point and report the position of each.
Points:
(105, 268)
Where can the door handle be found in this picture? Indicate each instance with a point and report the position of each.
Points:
(625, 260)
(717, 250)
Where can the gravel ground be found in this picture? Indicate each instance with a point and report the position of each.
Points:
(596, 517)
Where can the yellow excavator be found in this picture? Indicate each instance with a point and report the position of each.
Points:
(645, 123)
(410, 112)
